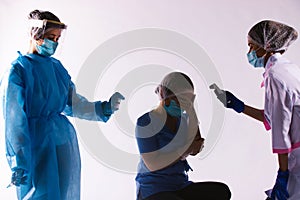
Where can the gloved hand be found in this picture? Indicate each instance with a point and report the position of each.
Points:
(113, 104)
(19, 177)
(279, 191)
(228, 99)
(234, 103)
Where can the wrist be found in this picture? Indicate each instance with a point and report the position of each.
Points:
(282, 170)
(283, 174)
(241, 107)
(106, 107)
(17, 169)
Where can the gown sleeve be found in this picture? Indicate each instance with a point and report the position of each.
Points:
(78, 106)
(17, 136)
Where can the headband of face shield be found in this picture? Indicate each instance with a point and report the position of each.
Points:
(38, 28)
(272, 36)
(175, 84)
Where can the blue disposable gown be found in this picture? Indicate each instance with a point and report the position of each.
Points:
(38, 94)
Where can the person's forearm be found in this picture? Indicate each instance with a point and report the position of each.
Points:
(283, 161)
(158, 160)
(254, 113)
(161, 158)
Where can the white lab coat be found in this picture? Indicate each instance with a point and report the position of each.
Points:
(282, 112)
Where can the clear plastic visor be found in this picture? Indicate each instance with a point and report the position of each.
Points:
(39, 29)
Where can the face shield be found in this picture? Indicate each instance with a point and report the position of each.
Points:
(46, 34)
(38, 28)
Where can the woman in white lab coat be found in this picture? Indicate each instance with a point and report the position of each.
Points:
(268, 41)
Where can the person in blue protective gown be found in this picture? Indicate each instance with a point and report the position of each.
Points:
(41, 143)
(166, 136)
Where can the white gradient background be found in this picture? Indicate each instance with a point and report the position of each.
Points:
(242, 157)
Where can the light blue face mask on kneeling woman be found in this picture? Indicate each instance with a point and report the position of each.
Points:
(173, 109)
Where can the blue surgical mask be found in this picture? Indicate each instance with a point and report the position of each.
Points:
(47, 48)
(254, 60)
(173, 109)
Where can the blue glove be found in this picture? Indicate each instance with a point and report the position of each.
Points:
(230, 101)
(113, 104)
(280, 188)
(19, 177)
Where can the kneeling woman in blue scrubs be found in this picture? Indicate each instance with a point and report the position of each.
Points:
(165, 137)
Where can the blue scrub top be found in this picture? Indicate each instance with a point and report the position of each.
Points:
(38, 94)
(171, 178)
